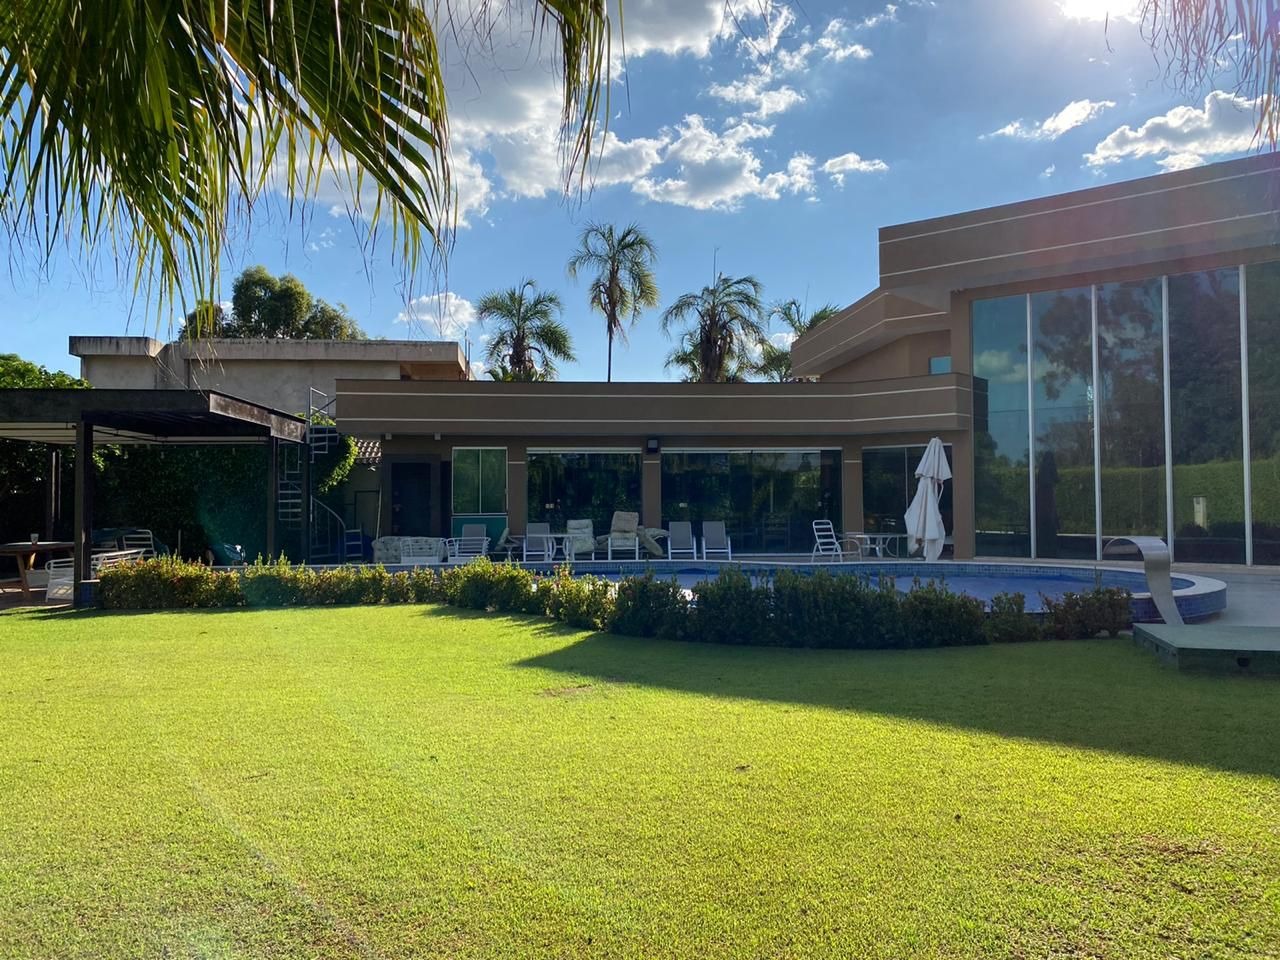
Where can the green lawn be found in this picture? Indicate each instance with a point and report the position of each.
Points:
(410, 782)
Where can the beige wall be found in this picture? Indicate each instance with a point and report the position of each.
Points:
(122, 373)
(908, 357)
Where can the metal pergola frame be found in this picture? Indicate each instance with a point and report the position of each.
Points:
(65, 417)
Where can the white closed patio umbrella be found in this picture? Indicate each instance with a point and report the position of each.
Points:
(924, 518)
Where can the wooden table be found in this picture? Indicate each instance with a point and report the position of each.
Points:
(25, 553)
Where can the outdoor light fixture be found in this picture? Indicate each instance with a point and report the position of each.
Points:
(651, 445)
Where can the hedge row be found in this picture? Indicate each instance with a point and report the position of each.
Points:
(796, 610)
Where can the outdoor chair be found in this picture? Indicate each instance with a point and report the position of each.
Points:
(139, 540)
(580, 538)
(538, 543)
(826, 544)
(715, 540)
(680, 540)
(473, 543)
(623, 533)
(420, 550)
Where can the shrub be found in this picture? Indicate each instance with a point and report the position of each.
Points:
(585, 601)
(485, 585)
(166, 583)
(820, 610)
(1008, 621)
(1082, 616)
(276, 583)
(649, 607)
(933, 616)
(426, 585)
(729, 609)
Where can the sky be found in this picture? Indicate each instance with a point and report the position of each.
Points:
(759, 138)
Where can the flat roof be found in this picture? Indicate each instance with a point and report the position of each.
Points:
(142, 416)
(237, 349)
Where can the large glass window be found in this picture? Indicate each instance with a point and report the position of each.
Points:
(889, 485)
(582, 485)
(1204, 386)
(479, 480)
(1262, 282)
(1001, 477)
(767, 498)
(1062, 368)
(1131, 408)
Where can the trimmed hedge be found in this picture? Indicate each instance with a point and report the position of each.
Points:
(796, 610)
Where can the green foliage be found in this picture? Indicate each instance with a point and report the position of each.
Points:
(729, 609)
(933, 616)
(1081, 616)
(721, 324)
(528, 338)
(485, 585)
(648, 606)
(266, 307)
(584, 601)
(1008, 622)
(167, 583)
(624, 284)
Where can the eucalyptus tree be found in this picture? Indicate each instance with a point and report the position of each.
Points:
(623, 283)
(134, 130)
(527, 337)
(723, 325)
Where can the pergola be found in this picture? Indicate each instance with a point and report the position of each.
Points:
(63, 417)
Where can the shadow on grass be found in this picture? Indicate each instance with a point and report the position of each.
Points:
(1102, 695)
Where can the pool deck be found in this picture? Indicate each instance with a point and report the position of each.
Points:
(1213, 647)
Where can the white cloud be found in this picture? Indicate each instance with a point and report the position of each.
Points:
(888, 15)
(1185, 136)
(717, 171)
(1048, 171)
(445, 315)
(837, 167)
(324, 241)
(751, 91)
(1074, 114)
(836, 46)
(1000, 366)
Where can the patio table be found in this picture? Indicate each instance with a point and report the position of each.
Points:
(25, 553)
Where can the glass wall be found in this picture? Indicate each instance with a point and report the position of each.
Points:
(575, 485)
(889, 485)
(1131, 408)
(767, 498)
(1000, 435)
(1262, 285)
(1166, 343)
(479, 480)
(1205, 404)
(1062, 404)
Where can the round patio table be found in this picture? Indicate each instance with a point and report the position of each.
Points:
(25, 553)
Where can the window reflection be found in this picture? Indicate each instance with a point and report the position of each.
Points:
(582, 485)
(1263, 286)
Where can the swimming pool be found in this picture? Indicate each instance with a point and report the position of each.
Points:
(1196, 597)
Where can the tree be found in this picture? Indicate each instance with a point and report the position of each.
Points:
(133, 128)
(775, 361)
(528, 338)
(1198, 38)
(267, 307)
(623, 283)
(725, 321)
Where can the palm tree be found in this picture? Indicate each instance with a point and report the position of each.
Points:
(133, 128)
(726, 321)
(775, 360)
(528, 338)
(623, 283)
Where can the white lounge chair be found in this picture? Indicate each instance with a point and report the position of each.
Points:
(828, 545)
(715, 540)
(139, 540)
(61, 571)
(421, 550)
(623, 534)
(538, 543)
(580, 538)
(680, 542)
(473, 543)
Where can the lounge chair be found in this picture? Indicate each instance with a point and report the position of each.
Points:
(538, 543)
(715, 540)
(420, 550)
(580, 538)
(828, 545)
(473, 543)
(139, 540)
(623, 534)
(680, 540)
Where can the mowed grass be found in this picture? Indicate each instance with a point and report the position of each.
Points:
(411, 782)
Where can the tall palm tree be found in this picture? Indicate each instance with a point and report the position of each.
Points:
(528, 338)
(623, 283)
(725, 322)
(775, 360)
(132, 128)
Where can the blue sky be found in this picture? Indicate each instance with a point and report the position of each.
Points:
(773, 143)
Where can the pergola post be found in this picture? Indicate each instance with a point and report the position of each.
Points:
(52, 492)
(273, 485)
(84, 507)
(305, 454)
